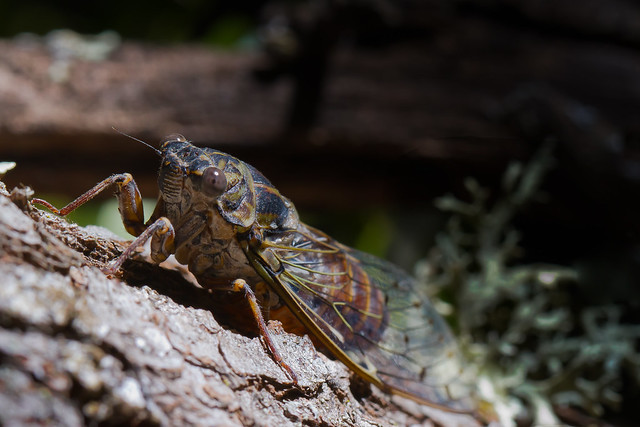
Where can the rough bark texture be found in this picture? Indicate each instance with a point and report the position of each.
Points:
(78, 347)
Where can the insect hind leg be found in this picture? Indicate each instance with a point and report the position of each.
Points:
(239, 285)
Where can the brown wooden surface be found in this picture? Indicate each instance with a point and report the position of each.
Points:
(81, 348)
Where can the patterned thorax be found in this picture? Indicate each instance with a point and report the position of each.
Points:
(248, 199)
(207, 222)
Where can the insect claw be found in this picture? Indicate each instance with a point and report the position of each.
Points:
(110, 270)
(292, 376)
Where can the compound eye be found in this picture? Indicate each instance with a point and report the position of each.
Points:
(174, 137)
(213, 181)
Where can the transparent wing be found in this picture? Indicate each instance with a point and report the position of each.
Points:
(368, 313)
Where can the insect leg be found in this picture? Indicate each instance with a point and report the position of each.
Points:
(129, 201)
(162, 244)
(240, 285)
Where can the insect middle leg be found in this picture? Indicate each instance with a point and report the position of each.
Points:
(162, 237)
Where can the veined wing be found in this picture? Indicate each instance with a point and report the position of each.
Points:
(368, 313)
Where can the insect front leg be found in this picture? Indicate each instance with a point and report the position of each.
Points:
(239, 285)
(131, 211)
(129, 201)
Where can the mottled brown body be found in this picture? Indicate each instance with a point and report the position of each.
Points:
(226, 221)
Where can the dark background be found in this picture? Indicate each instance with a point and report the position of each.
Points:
(377, 106)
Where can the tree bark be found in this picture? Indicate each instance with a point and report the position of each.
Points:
(79, 348)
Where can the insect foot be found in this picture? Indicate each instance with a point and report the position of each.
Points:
(239, 285)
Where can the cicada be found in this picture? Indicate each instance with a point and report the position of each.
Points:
(235, 231)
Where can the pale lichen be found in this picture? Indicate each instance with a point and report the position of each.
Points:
(538, 345)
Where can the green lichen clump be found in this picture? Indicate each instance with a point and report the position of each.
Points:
(537, 344)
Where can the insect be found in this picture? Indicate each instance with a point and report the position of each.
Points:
(233, 229)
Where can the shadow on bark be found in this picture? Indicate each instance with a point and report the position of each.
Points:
(78, 347)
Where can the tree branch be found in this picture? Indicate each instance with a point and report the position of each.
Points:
(78, 347)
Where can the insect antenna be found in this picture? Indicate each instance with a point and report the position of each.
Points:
(158, 152)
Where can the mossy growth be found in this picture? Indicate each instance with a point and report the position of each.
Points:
(538, 346)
